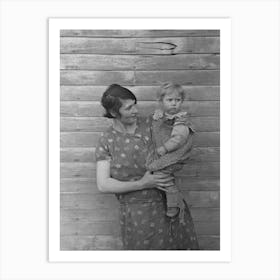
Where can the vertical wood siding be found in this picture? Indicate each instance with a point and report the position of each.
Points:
(139, 59)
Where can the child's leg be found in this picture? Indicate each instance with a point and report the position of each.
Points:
(172, 195)
(173, 200)
(172, 180)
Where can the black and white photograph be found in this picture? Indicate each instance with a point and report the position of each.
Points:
(131, 76)
(139, 141)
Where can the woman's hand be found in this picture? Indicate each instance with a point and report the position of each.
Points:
(161, 151)
(149, 180)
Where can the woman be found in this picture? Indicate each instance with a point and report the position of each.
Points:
(121, 154)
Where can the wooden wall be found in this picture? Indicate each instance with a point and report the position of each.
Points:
(139, 59)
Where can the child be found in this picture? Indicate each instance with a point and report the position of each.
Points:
(172, 140)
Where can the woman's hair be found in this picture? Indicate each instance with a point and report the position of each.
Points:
(168, 88)
(111, 99)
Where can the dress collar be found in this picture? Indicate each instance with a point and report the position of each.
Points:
(118, 129)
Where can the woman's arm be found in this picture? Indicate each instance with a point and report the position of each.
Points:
(107, 184)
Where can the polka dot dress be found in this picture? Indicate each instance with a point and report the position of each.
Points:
(144, 225)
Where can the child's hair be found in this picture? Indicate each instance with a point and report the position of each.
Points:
(111, 99)
(168, 88)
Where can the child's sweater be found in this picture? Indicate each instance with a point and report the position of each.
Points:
(175, 133)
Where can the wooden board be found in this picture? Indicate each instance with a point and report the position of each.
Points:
(145, 108)
(98, 201)
(143, 93)
(124, 33)
(75, 77)
(103, 215)
(88, 185)
(183, 77)
(113, 228)
(87, 170)
(140, 60)
(126, 78)
(90, 139)
(95, 242)
(109, 242)
(137, 62)
(203, 154)
(101, 124)
(164, 46)
(209, 242)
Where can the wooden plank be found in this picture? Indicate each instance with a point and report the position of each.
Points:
(88, 170)
(84, 124)
(198, 183)
(88, 185)
(97, 33)
(106, 228)
(145, 108)
(90, 139)
(101, 124)
(177, 45)
(89, 215)
(207, 228)
(117, 46)
(184, 77)
(95, 242)
(206, 124)
(204, 154)
(209, 242)
(76, 77)
(143, 93)
(205, 214)
(206, 139)
(138, 33)
(113, 228)
(137, 62)
(98, 201)
(89, 201)
(202, 198)
(97, 62)
(77, 170)
(107, 215)
(77, 155)
(109, 242)
(97, 46)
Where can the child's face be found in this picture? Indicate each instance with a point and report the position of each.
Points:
(171, 103)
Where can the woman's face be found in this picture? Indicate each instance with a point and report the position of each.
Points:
(128, 112)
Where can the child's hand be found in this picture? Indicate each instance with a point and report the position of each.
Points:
(161, 151)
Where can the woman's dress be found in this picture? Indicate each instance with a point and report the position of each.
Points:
(144, 224)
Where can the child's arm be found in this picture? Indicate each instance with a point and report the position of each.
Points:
(178, 137)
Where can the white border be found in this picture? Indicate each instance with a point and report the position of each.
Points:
(55, 255)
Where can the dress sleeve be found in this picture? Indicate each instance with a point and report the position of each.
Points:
(102, 151)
